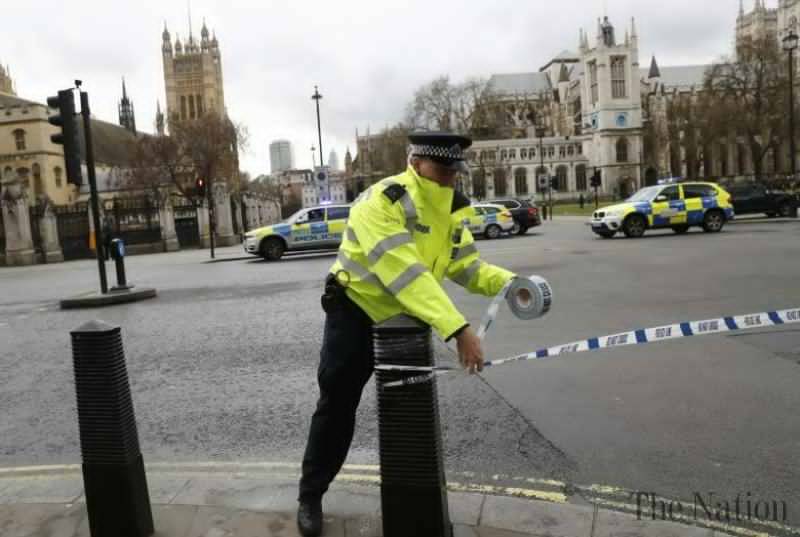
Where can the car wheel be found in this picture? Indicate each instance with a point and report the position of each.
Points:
(713, 221)
(634, 226)
(785, 210)
(522, 230)
(272, 249)
(516, 229)
(493, 231)
(606, 234)
(680, 230)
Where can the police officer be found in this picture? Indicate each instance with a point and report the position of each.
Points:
(404, 235)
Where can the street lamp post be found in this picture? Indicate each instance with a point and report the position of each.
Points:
(316, 97)
(789, 45)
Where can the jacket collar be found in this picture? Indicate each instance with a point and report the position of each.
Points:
(438, 197)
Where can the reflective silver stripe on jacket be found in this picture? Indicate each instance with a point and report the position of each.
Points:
(465, 276)
(387, 244)
(351, 235)
(407, 277)
(357, 269)
(464, 251)
(408, 207)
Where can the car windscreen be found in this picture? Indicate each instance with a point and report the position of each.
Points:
(646, 194)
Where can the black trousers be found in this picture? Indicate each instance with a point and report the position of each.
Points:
(346, 363)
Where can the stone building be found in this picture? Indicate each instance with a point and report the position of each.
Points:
(27, 153)
(192, 75)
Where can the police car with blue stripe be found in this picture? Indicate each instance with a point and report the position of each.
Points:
(669, 206)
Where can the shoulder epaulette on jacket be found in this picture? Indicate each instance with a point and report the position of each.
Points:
(459, 202)
(394, 192)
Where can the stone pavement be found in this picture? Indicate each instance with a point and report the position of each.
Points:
(191, 502)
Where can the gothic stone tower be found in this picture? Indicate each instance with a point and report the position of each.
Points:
(126, 116)
(6, 83)
(192, 76)
(612, 109)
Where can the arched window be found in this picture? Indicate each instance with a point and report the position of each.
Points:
(192, 113)
(561, 178)
(532, 153)
(500, 182)
(512, 153)
(540, 171)
(523, 153)
(19, 139)
(740, 158)
(183, 107)
(38, 187)
(57, 175)
(521, 181)
(580, 177)
(622, 150)
(479, 184)
(503, 154)
(551, 151)
(723, 160)
(7, 172)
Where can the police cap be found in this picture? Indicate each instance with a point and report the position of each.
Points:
(443, 147)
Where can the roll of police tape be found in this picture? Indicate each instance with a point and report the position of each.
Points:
(641, 336)
(527, 298)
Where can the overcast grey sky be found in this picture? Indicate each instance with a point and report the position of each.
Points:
(367, 57)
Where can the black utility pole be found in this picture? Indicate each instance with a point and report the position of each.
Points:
(789, 45)
(98, 232)
(212, 222)
(540, 133)
(317, 97)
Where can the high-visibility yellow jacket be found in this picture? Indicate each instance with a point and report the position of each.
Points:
(404, 234)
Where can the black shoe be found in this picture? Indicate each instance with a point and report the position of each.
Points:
(309, 518)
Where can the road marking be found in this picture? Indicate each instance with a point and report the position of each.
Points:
(368, 474)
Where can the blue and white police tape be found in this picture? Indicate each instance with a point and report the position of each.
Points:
(642, 336)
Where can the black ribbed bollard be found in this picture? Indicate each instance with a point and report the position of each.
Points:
(413, 487)
(114, 480)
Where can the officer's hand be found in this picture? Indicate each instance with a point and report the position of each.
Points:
(470, 352)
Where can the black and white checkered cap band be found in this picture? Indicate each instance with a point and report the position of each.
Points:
(454, 152)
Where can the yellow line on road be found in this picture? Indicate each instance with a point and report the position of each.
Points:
(369, 474)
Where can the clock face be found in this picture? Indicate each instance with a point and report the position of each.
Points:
(622, 120)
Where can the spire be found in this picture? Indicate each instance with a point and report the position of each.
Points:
(634, 34)
(126, 115)
(178, 46)
(159, 119)
(654, 71)
(166, 41)
(189, 11)
(627, 38)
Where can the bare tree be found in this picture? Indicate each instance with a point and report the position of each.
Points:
(205, 148)
(746, 98)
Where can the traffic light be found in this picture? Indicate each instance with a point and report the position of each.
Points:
(69, 137)
(596, 180)
(200, 187)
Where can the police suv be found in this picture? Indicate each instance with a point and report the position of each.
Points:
(670, 206)
(314, 228)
